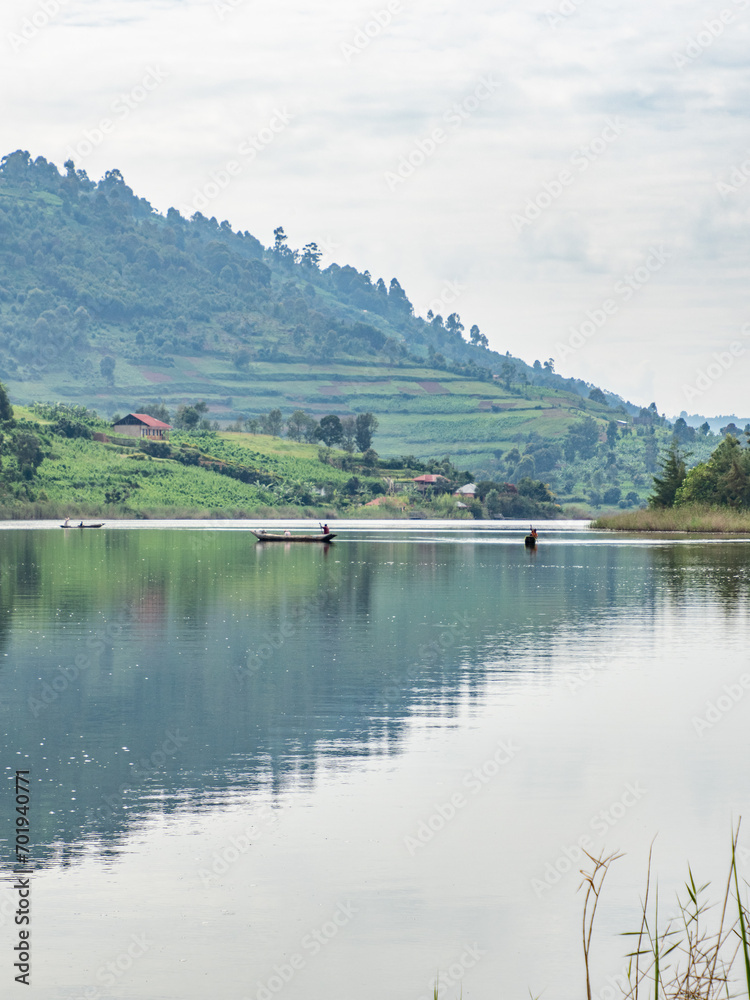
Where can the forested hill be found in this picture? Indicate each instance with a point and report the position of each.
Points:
(105, 302)
(89, 269)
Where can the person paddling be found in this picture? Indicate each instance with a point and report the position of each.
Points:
(324, 528)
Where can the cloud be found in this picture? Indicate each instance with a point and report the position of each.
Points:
(232, 65)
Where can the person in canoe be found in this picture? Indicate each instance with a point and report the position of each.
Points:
(530, 540)
(324, 528)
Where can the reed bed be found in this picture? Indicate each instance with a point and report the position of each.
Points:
(690, 518)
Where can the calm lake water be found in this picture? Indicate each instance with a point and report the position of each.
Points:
(325, 772)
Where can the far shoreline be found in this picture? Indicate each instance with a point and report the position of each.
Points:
(389, 511)
(689, 519)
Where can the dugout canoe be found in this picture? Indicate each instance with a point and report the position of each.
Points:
(100, 525)
(265, 536)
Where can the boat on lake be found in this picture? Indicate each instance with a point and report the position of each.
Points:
(266, 536)
(100, 524)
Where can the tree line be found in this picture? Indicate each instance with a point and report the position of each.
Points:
(349, 433)
(721, 481)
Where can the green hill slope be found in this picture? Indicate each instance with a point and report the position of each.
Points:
(192, 308)
(108, 304)
(59, 462)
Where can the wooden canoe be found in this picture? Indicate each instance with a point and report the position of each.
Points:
(265, 536)
(100, 525)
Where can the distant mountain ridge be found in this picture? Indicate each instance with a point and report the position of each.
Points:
(81, 260)
(108, 304)
(715, 423)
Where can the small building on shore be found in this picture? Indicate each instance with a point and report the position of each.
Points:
(423, 482)
(142, 425)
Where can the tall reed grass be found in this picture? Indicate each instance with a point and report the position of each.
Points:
(688, 957)
(689, 518)
(695, 955)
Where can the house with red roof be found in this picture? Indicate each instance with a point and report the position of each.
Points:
(141, 425)
(422, 482)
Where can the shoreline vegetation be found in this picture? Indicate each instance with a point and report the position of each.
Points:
(689, 518)
(106, 512)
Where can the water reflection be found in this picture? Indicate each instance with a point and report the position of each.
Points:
(146, 672)
(719, 572)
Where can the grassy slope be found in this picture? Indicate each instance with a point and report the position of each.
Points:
(76, 476)
(413, 419)
(468, 419)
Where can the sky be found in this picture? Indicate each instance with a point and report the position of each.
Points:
(570, 175)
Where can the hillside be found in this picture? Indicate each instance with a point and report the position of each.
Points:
(106, 303)
(60, 461)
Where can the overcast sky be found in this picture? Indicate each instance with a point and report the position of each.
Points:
(570, 175)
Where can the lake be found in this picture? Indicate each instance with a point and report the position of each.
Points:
(321, 772)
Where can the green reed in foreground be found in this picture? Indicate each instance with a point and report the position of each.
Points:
(684, 958)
